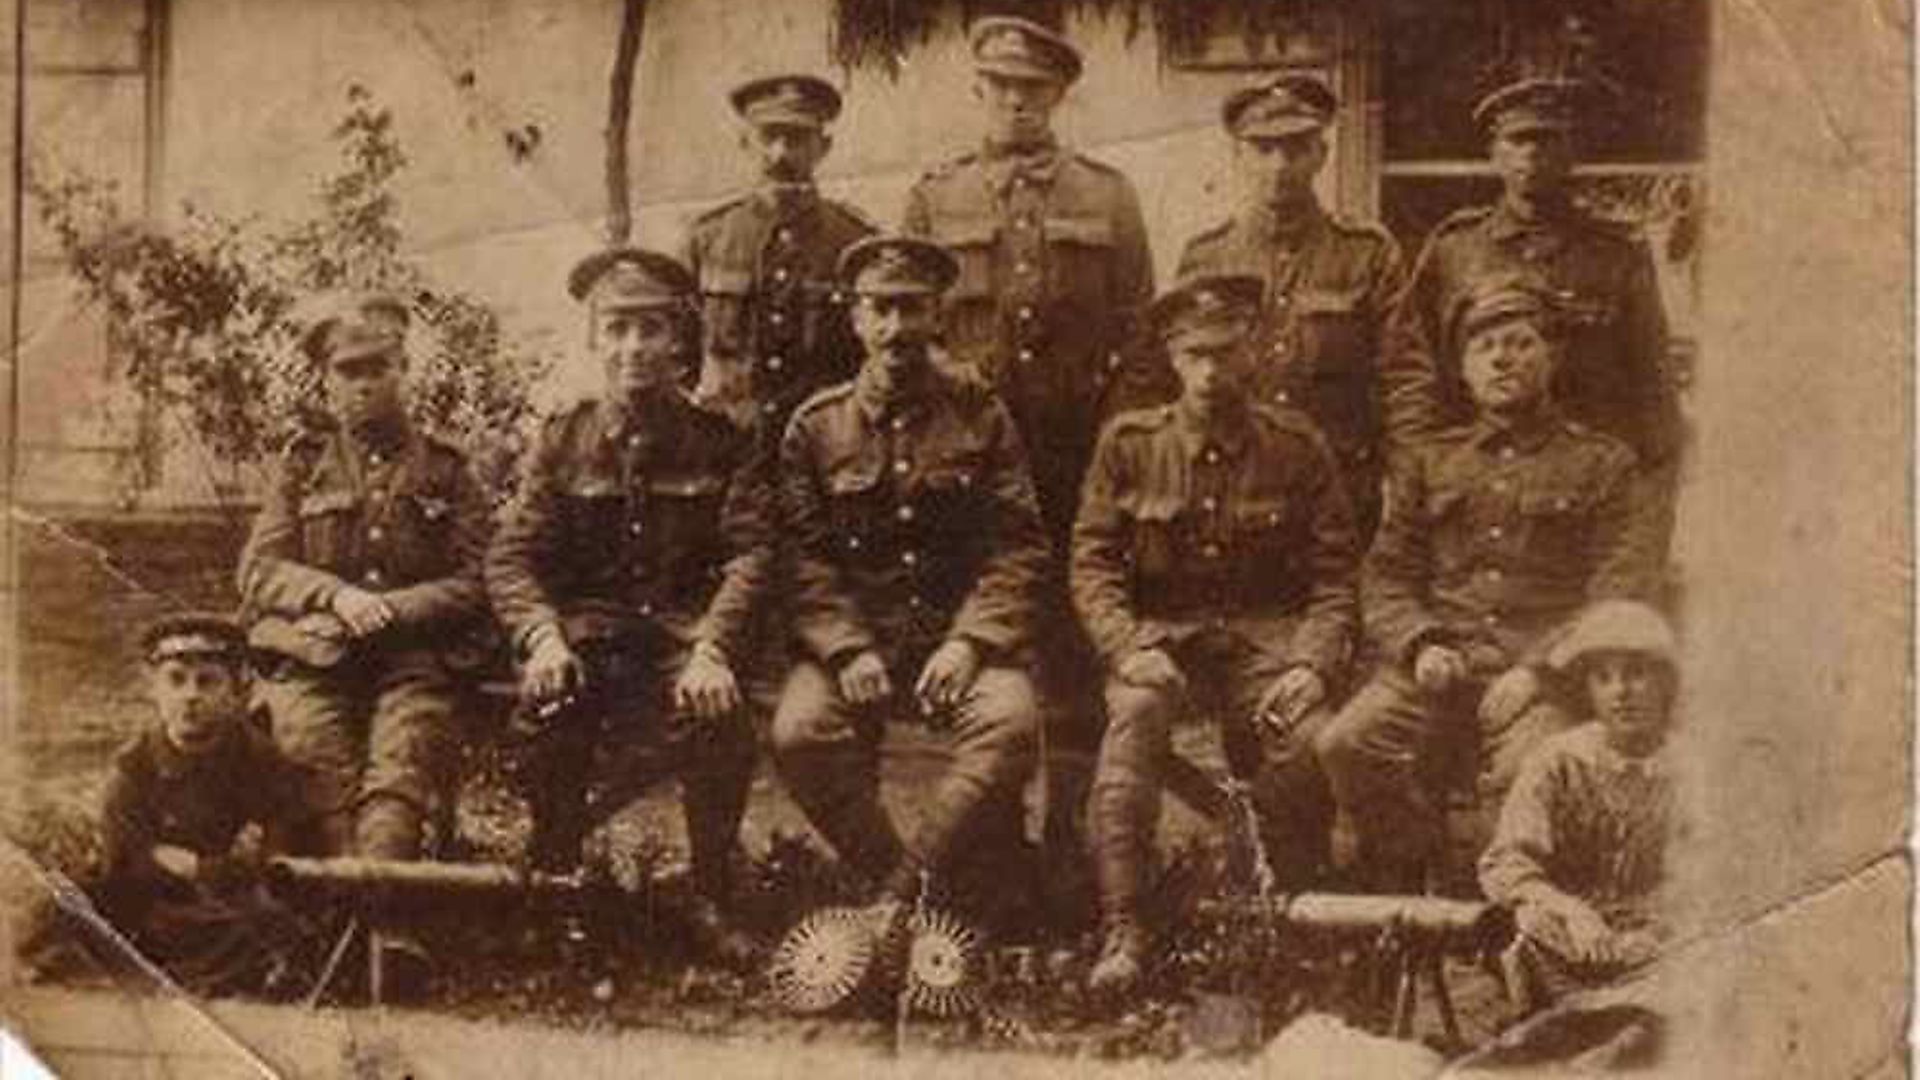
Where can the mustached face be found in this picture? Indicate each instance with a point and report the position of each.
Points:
(367, 389)
(1018, 111)
(786, 153)
(896, 330)
(1280, 171)
(1533, 162)
(198, 699)
(1632, 697)
(640, 349)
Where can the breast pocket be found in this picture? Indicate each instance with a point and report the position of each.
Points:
(593, 516)
(1557, 522)
(1160, 535)
(1261, 528)
(1454, 535)
(853, 508)
(1333, 324)
(329, 526)
(425, 538)
(1079, 265)
(683, 517)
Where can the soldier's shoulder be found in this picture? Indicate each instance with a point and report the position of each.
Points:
(1609, 231)
(1216, 233)
(823, 400)
(1609, 448)
(948, 168)
(1464, 218)
(1288, 420)
(1360, 228)
(718, 213)
(963, 383)
(570, 415)
(850, 214)
(1138, 423)
(1104, 169)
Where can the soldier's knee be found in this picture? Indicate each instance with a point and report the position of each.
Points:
(1338, 745)
(1136, 709)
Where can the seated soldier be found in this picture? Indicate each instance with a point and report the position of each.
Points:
(1579, 851)
(181, 793)
(627, 571)
(361, 581)
(1213, 567)
(1496, 534)
(917, 548)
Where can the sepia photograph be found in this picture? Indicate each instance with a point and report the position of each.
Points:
(1333, 538)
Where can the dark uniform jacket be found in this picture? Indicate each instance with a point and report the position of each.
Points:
(765, 263)
(1495, 537)
(1331, 285)
(910, 521)
(1054, 273)
(633, 522)
(1246, 530)
(158, 794)
(1614, 376)
(397, 513)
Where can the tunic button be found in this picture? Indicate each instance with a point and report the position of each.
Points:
(1026, 313)
(634, 528)
(1210, 503)
(1492, 618)
(1561, 504)
(784, 235)
(780, 274)
(1026, 356)
(633, 442)
(776, 318)
(1280, 396)
(914, 601)
(1211, 551)
(901, 467)
(373, 577)
(908, 558)
(1506, 453)
(1023, 268)
(899, 423)
(905, 513)
(374, 457)
(853, 543)
(1493, 574)
(1500, 485)
(646, 609)
(375, 533)
(775, 363)
(1211, 457)
(1495, 533)
(769, 408)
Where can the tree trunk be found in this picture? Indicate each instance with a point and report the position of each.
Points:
(633, 19)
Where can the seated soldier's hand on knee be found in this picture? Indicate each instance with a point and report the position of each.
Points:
(1151, 668)
(707, 689)
(944, 682)
(1439, 668)
(1511, 694)
(864, 680)
(365, 613)
(553, 671)
(1292, 695)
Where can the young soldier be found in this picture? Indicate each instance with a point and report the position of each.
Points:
(1613, 376)
(179, 795)
(626, 572)
(1213, 567)
(1581, 846)
(362, 574)
(917, 548)
(1329, 283)
(774, 322)
(1054, 267)
(1495, 535)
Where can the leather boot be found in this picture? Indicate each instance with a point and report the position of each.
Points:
(1123, 958)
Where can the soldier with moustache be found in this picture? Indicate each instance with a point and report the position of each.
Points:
(773, 318)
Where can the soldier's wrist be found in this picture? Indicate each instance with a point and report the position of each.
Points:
(708, 649)
(539, 636)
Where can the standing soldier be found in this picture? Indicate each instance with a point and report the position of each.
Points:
(1213, 567)
(1054, 272)
(362, 572)
(1614, 376)
(626, 573)
(1495, 535)
(774, 323)
(1329, 283)
(1054, 267)
(917, 551)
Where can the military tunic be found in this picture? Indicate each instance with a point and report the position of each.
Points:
(912, 520)
(771, 309)
(1614, 375)
(1331, 284)
(1054, 272)
(398, 514)
(640, 534)
(1494, 538)
(156, 793)
(1233, 551)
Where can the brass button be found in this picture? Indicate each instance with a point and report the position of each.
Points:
(909, 559)
(1506, 453)
(901, 466)
(376, 533)
(1495, 533)
(780, 274)
(784, 235)
(633, 442)
(1026, 313)
(905, 513)
(899, 423)
(1280, 396)
(776, 317)
(1211, 551)
(373, 576)
(646, 609)
(853, 543)
(775, 363)
(634, 528)
(1023, 267)
(1026, 356)
(1210, 503)
(1211, 457)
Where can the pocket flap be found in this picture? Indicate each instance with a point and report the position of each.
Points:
(1090, 231)
(725, 281)
(1327, 301)
(327, 502)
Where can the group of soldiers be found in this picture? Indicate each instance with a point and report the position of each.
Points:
(975, 473)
